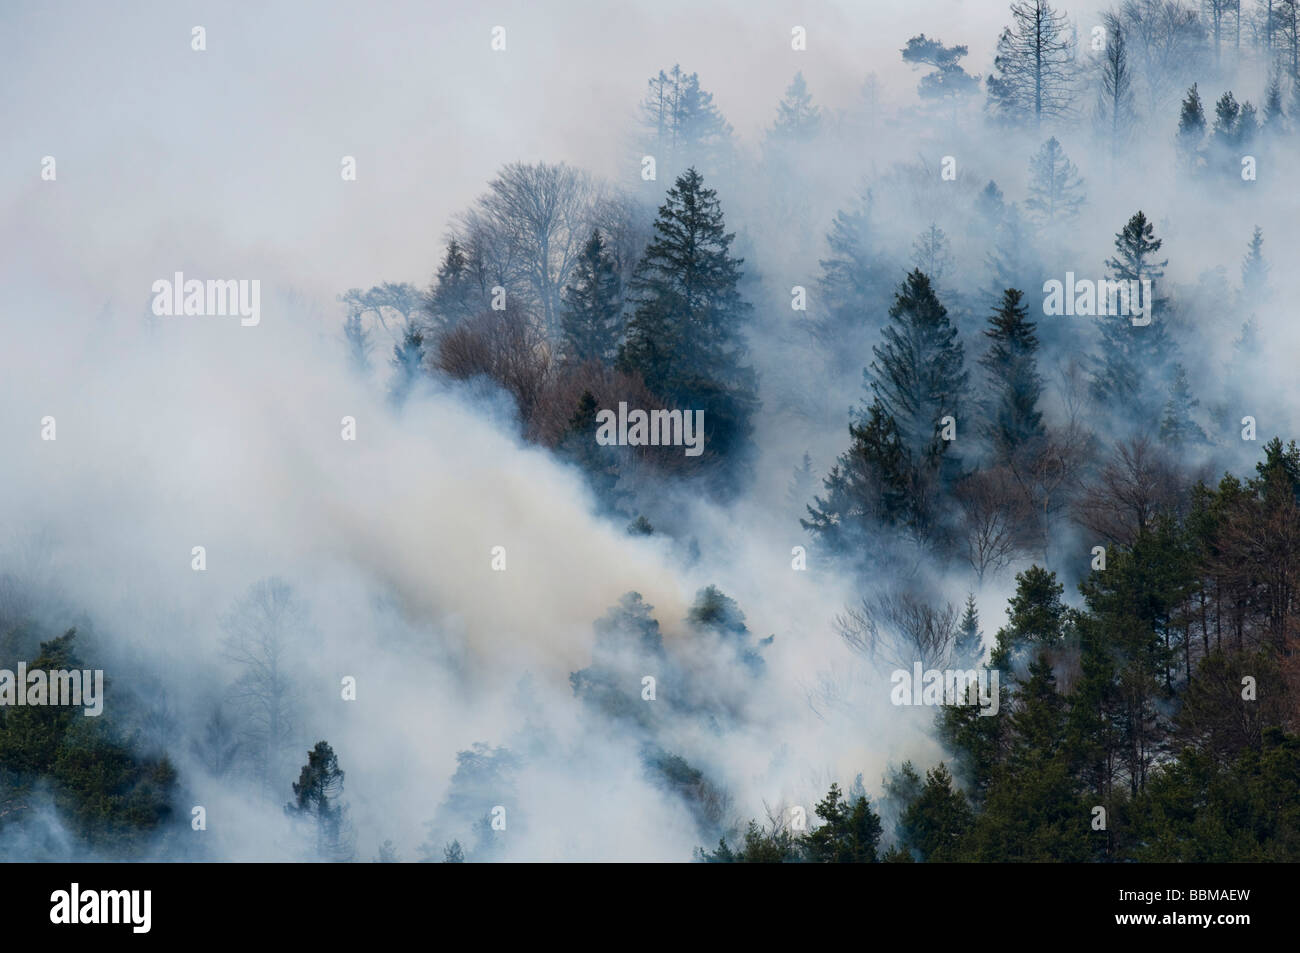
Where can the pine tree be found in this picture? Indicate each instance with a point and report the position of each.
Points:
(1036, 613)
(1178, 429)
(1254, 272)
(316, 798)
(686, 336)
(968, 649)
(1134, 356)
(948, 81)
(854, 285)
(1032, 69)
(1013, 419)
(1191, 129)
(990, 205)
(797, 119)
(592, 305)
(1274, 115)
(1055, 189)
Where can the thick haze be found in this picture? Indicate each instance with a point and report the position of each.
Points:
(178, 432)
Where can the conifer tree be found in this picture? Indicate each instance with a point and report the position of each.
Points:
(1178, 429)
(1055, 189)
(968, 649)
(591, 305)
(1191, 129)
(686, 336)
(316, 797)
(797, 119)
(1132, 356)
(1013, 419)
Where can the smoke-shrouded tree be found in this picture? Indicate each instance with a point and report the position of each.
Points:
(1055, 189)
(686, 337)
(317, 798)
(891, 470)
(1133, 358)
(1033, 76)
(854, 284)
(1014, 385)
(948, 80)
(797, 119)
(592, 305)
(1178, 428)
(683, 126)
(1191, 130)
(1115, 86)
(968, 649)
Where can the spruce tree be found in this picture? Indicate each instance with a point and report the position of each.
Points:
(1178, 429)
(918, 373)
(686, 335)
(797, 119)
(1254, 272)
(1133, 357)
(1012, 417)
(591, 305)
(1055, 189)
(1191, 130)
(1274, 115)
(968, 649)
(854, 285)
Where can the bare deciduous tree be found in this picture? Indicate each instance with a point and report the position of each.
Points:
(900, 629)
(1133, 488)
(529, 228)
(260, 633)
(995, 516)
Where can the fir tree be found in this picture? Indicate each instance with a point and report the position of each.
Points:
(854, 284)
(937, 821)
(1274, 116)
(1178, 429)
(1133, 356)
(968, 649)
(797, 119)
(918, 373)
(1191, 129)
(592, 304)
(1055, 189)
(455, 295)
(1254, 272)
(686, 336)
(849, 834)
(1013, 419)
